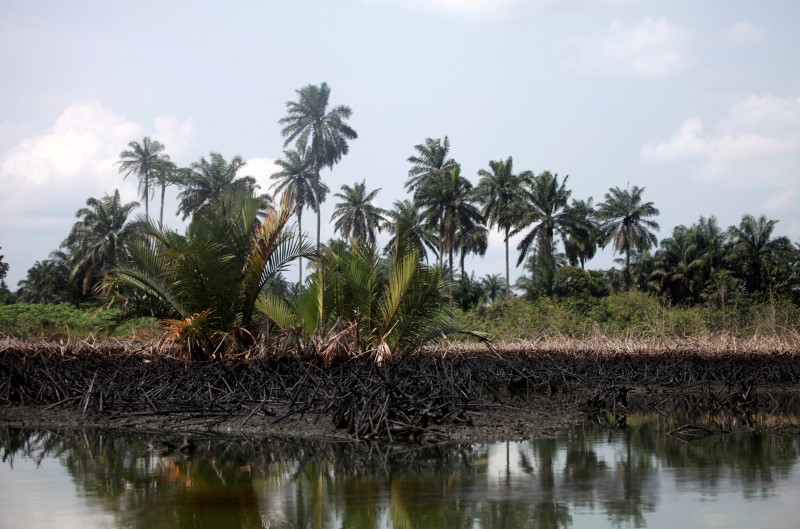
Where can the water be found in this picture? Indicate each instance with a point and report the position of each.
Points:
(589, 477)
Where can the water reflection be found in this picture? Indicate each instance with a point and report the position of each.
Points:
(596, 476)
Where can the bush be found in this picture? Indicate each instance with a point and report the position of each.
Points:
(632, 315)
(64, 321)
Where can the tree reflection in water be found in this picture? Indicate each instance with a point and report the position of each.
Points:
(247, 483)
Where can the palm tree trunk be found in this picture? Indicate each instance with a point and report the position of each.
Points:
(319, 214)
(508, 288)
(147, 195)
(627, 268)
(300, 229)
(161, 213)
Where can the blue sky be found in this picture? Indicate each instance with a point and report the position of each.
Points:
(698, 101)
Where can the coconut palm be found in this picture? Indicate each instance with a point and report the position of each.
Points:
(430, 162)
(297, 177)
(206, 180)
(99, 239)
(625, 221)
(499, 190)
(544, 207)
(147, 162)
(447, 204)
(325, 132)
(405, 217)
(356, 217)
(203, 285)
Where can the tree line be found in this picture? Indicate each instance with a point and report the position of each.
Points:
(446, 218)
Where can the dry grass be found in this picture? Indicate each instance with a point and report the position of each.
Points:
(706, 346)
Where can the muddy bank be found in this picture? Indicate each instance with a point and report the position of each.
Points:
(445, 394)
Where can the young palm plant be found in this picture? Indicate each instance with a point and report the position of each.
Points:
(367, 305)
(203, 285)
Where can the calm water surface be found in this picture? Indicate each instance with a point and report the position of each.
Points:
(589, 477)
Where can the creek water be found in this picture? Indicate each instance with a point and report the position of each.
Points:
(591, 476)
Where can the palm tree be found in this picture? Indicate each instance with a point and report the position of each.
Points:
(447, 202)
(430, 163)
(544, 203)
(297, 177)
(583, 236)
(382, 307)
(324, 132)
(673, 275)
(99, 239)
(499, 190)
(46, 282)
(146, 161)
(166, 174)
(752, 251)
(471, 238)
(405, 218)
(494, 287)
(206, 180)
(203, 285)
(625, 221)
(356, 217)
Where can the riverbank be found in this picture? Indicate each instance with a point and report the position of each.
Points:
(461, 393)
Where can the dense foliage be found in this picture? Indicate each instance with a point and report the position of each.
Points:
(701, 277)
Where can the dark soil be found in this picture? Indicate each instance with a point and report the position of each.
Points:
(432, 396)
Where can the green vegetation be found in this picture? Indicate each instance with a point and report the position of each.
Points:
(357, 302)
(631, 315)
(204, 285)
(65, 321)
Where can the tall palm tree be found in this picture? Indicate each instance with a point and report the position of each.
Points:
(447, 203)
(625, 221)
(206, 180)
(583, 236)
(405, 218)
(471, 238)
(298, 178)
(145, 160)
(356, 217)
(99, 239)
(545, 208)
(325, 132)
(499, 190)
(166, 174)
(430, 162)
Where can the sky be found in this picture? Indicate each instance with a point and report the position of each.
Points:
(696, 101)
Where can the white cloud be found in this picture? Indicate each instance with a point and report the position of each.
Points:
(491, 8)
(744, 32)
(47, 177)
(260, 169)
(756, 145)
(649, 48)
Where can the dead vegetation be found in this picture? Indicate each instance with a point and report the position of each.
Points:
(414, 397)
